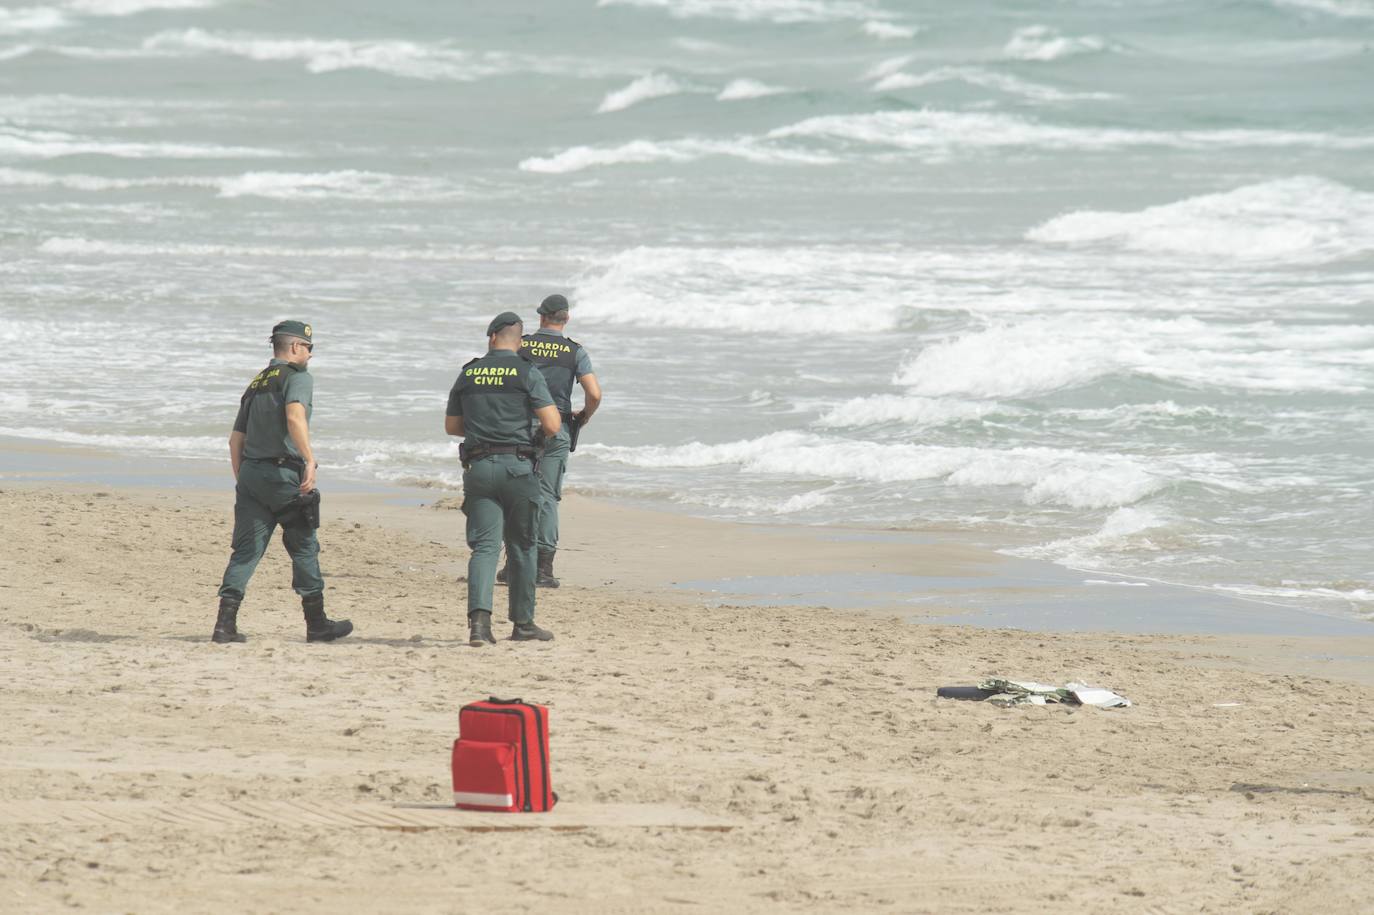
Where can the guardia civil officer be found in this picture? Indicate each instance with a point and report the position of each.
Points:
(274, 470)
(495, 404)
(562, 360)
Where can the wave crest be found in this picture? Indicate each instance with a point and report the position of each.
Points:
(1045, 475)
(1042, 43)
(783, 12)
(649, 86)
(1304, 218)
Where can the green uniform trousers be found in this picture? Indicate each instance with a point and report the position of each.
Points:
(551, 471)
(501, 501)
(263, 490)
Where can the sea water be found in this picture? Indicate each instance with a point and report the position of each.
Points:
(1090, 281)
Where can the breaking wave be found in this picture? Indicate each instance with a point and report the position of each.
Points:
(1045, 475)
(75, 246)
(131, 7)
(31, 19)
(675, 151)
(778, 11)
(47, 144)
(977, 76)
(932, 133)
(340, 185)
(1040, 42)
(1303, 219)
(889, 31)
(1042, 355)
(1344, 9)
(805, 289)
(910, 412)
(410, 59)
(650, 86)
(739, 89)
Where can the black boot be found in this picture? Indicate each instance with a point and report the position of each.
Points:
(528, 632)
(226, 626)
(544, 576)
(479, 629)
(318, 627)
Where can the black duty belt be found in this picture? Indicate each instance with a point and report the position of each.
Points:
(469, 453)
(293, 463)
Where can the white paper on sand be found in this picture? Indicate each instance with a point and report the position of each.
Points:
(1097, 696)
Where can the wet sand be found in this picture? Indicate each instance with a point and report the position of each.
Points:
(711, 756)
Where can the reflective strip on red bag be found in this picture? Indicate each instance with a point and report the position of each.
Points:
(476, 799)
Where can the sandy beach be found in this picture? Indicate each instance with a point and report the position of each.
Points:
(709, 757)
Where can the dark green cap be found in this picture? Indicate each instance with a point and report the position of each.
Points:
(504, 319)
(553, 304)
(294, 329)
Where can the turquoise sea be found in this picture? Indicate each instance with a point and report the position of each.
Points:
(1090, 280)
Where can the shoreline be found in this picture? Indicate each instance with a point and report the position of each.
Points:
(919, 575)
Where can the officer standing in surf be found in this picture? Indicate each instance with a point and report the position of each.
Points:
(274, 472)
(562, 360)
(495, 405)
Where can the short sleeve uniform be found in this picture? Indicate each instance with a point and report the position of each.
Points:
(262, 411)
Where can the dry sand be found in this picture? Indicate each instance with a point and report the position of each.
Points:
(710, 759)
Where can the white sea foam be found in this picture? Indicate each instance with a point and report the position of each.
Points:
(977, 76)
(1129, 530)
(889, 31)
(675, 151)
(1040, 42)
(739, 89)
(18, 20)
(1017, 360)
(86, 247)
(1304, 219)
(16, 51)
(896, 410)
(1357, 595)
(930, 133)
(947, 130)
(1045, 475)
(779, 11)
(758, 505)
(887, 67)
(399, 58)
(802, 289)
(200, 446)
(340, 185)
(1345, 9)
(1044, 354)
(649, 86)
(46, 144)
(414, 60)
(131, 7)
(700, 45)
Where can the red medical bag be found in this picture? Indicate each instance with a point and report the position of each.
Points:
(501, 757)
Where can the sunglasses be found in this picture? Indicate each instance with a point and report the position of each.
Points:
(309, 347)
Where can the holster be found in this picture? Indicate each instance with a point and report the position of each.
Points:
(303, 511)
(574, 427)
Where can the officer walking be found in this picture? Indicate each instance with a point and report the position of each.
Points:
(274, 469)
(494, 405)
(562, 360)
